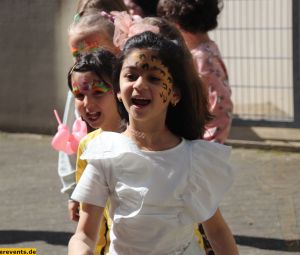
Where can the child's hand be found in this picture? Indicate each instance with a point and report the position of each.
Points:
(73, 207)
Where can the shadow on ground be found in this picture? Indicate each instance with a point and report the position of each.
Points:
(20, 236)
(271, 244)
(62, 238)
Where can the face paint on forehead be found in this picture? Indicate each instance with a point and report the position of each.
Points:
(83, 85)
(148, 60)
(102, 87)
(85, 47)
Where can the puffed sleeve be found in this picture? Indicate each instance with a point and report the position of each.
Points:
(92, 187)
(209, 178)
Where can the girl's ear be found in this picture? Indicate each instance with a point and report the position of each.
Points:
(176, 96)
(119, 97)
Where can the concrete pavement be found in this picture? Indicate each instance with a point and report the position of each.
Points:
(282, 139)
(262, 208)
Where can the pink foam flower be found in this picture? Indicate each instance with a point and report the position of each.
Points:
(127, 26)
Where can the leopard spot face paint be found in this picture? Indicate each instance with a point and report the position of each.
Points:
(148, 60)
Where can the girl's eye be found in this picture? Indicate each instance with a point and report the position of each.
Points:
(154, 79)
(79, 96)
(131, 77)
(98, 93)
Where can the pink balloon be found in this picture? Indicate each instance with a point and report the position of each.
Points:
(79, 129)
(61, 137)
(64, 140)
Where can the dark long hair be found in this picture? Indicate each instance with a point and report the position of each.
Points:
(188, 118)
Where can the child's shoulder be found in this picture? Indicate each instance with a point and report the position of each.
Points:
(209, 178)
(109, 138)
(87, 139)
(90, 136)
(204, 152)
(108, 145)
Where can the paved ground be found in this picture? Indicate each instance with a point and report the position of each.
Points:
(281, 139)
(262, 207)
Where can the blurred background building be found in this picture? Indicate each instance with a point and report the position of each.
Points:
(34, 62)
(260, 42)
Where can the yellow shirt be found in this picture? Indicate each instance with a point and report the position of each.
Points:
(104, 241)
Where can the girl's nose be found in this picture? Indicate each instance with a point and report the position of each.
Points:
(140, 83)
(88, 102)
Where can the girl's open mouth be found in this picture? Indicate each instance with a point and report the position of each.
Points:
(93, 116)
(140, 101)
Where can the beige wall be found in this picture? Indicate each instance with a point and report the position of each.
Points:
(34, 62)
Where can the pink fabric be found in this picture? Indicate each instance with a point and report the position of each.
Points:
(108, 16)
(127, 26)
(213, 72)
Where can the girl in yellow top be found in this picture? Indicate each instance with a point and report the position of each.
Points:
(90, 82)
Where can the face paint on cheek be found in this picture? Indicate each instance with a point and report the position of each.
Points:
(166, 91)
(163, 97)
(167, 82)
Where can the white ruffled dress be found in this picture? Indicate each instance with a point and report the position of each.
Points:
(156, 196)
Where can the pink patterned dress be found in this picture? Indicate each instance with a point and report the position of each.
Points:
(213, 73)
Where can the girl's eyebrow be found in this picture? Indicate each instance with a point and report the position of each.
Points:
(134, 67)
(130, 67)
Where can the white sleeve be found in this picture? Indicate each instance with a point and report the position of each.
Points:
(67, 163)
(210, 177)
(66, 172)
(92, 187)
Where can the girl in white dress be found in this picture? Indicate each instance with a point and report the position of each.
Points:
(160, 178)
